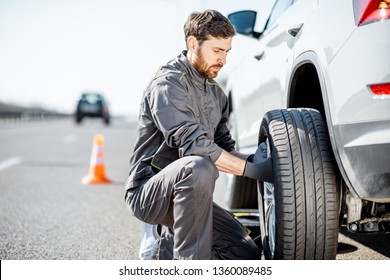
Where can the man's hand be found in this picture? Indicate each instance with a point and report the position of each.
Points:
(261, 153)
(258, 166)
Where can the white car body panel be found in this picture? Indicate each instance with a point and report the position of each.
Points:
(347, 59)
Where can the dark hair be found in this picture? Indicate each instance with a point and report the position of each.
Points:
(208, 23)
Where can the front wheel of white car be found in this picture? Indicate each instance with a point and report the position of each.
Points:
(299, 212)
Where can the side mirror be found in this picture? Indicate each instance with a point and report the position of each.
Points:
(244, 23)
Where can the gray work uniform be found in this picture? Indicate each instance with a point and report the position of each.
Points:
(182, 130)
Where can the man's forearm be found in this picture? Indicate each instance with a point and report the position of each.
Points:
(233, 162)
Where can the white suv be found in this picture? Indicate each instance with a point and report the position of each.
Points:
(316, 88)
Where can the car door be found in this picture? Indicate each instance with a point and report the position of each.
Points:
(259, 78)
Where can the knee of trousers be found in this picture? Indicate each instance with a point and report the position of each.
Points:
(203, 171)
(202, 166)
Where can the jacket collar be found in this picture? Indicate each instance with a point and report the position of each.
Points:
(192, 73)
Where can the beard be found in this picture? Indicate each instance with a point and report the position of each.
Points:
(207, 71)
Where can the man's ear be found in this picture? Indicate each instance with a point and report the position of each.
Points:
(192, 44)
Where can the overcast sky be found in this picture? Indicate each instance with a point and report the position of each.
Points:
(52, 50)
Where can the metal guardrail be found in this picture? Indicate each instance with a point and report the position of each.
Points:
(27, 115)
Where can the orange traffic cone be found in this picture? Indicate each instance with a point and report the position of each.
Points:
(97, 170)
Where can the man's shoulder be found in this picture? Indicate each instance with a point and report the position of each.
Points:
(171, 69)
(168, 72)
(167, 76)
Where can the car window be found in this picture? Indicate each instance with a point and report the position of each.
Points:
(278, 9)
(92, 98)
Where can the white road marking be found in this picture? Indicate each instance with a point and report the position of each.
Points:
(10, 162)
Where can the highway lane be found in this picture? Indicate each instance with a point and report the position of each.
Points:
(45, 210)
(47, 213)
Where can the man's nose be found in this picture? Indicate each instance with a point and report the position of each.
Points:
(222, 58)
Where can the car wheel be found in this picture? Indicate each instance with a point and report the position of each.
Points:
(299, 213)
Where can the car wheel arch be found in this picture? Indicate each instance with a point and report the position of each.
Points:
(310, 60)
(307, 65)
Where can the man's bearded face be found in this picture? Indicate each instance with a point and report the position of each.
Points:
(205, 69)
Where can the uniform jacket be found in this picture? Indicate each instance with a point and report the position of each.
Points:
(181, 114)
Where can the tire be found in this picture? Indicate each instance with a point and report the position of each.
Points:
(299, 213)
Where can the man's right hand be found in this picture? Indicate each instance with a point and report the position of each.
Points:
(258, 166)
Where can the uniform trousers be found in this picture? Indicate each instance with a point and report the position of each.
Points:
(180, 199)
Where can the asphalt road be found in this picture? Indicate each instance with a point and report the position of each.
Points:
(45, 210)
(47, 213)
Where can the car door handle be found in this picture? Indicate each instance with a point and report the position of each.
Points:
(259, 55)
(294, 31)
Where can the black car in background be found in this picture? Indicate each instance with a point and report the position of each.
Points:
(92, 105)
